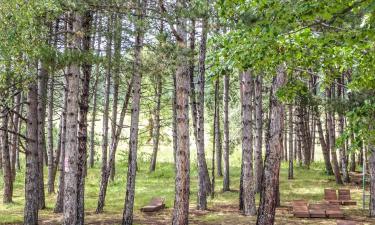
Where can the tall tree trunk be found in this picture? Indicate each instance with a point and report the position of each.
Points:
(371, 167)
(290, 123)
(182, 179)
(226, 178)
(215, 138)
(342, 150)
(218, 145)
(15, 138)
(106, 98)
(95, 96)
(82, 118)
(60, 153)
(42, 95)
(116, 83)
(332, 142)
(17, 160)
(267, 206)
(248, 195)
(113, 148)
(7, 169)
(204, 186)
(133, 139)
(323, 144)
(156, 130)
(31, 174)
(51, 180)
(71, 168)
(258, 167)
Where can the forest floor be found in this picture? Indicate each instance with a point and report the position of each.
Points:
(223, 209)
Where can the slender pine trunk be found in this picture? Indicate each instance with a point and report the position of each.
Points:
(226, 178)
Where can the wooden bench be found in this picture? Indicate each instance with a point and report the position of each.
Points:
(330, 196)
(317, 210)
(345, 198)
(334, 211)
(155, 204)
(300, 209)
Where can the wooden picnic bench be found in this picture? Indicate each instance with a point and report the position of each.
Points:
(155, 204)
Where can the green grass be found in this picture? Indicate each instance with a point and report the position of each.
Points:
(308, 184)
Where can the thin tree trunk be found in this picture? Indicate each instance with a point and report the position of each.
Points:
(42, 95)
(226, 178)
(215, 138)
(156, 130)
(17, 160)
(218, 145)
(95, 96)
(267, 206)
(15, 138)
(7, 169)
(116, 83)
(31, 174)
(60, 153)
(106, 98)
(248, 195)
(133, 139)
(71, 168)
(258, 168)
(193, 97)
(371, 167)
(290, 123)
(332, 142)
(51, 181)
(342, 150)
(324, 145)
(204, 187)
(113, 148)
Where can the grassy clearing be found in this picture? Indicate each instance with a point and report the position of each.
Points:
(309, 184)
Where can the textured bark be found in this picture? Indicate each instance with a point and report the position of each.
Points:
(51, 180)
(332, 142)
(226, 178)
(71, 152)
(285, 145)
(7, 169)
(82, 118)
(342, 150)
(42, 97)
(258, 166)
(113, 148)
(136, 97)
(204, 186)
(182, 180)
(267, 206)
(106, 99)
(116, 84)
(291, 157)
(248, 195)
(60, 154)
(324, 145)
(15, 138)
(31, 174)
(217, 130)
(215, 138)
(18, 129)
(156, 130)
(95, 96)
(193, 97)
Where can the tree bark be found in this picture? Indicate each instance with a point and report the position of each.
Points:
(113, 148)
(342, 150)
(42, 95)
(133, 139)
(82, 117)
(248, 195)
(218, 144)
(226, 178)
(323, 143)
(258, 168)
(7, 169)
(291, 157)
(72, 153)
(15, 138)
(204, 186)
(371, 167)
(51, 180)
(31, 174)
(332, 142)
(267, 206)
(156, 130)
